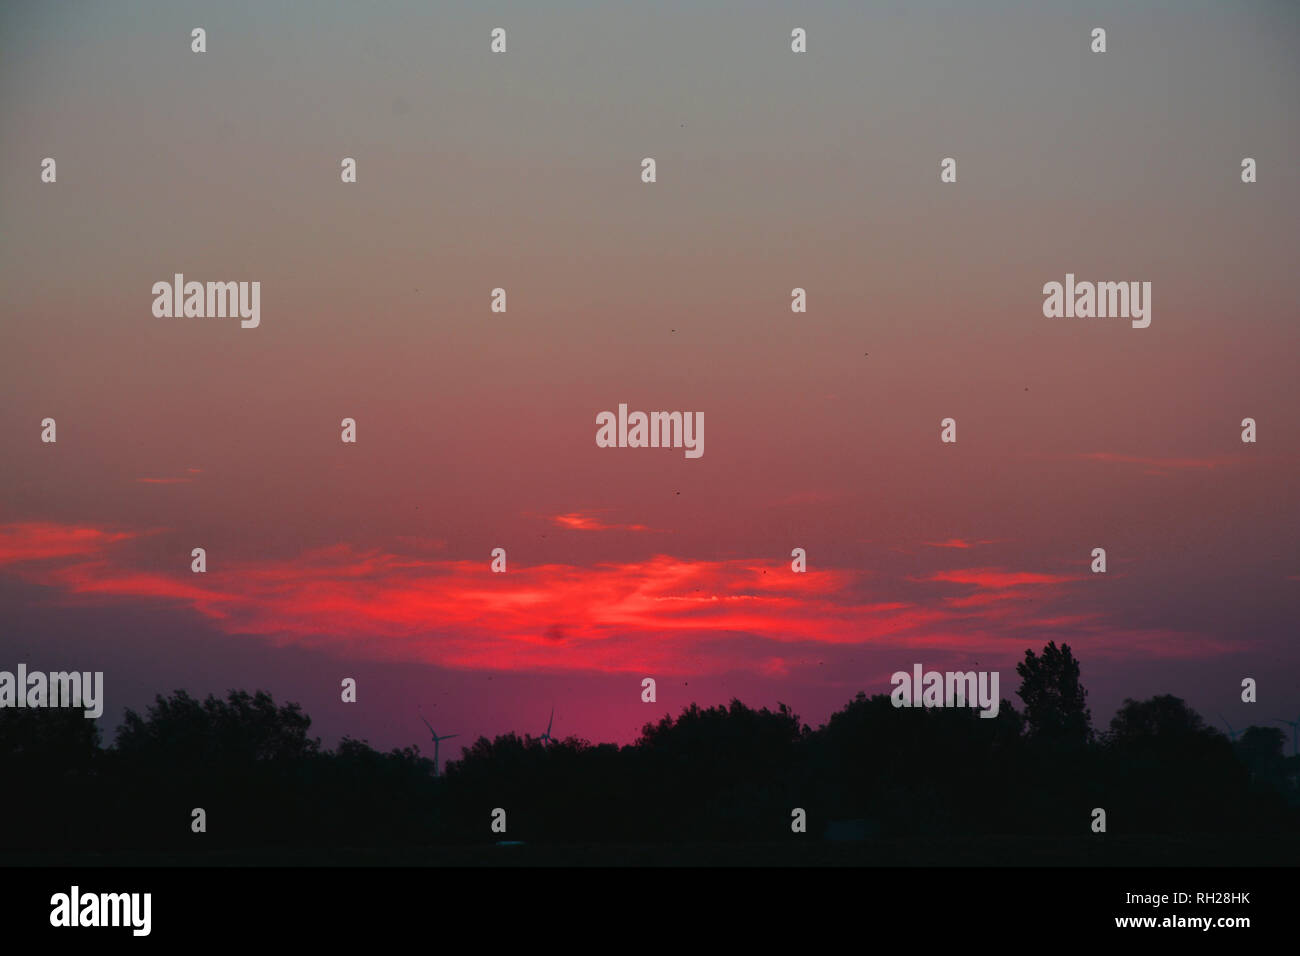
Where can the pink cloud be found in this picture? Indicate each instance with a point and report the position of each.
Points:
(586, 521)
(665, 612)
(37, 541)
(996, 578)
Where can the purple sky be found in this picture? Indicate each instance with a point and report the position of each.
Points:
(476, 429)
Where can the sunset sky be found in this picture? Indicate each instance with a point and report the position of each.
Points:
(476, 430)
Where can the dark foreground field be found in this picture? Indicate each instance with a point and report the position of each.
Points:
(1188, 851)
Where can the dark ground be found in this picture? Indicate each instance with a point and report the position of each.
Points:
(1092, 850)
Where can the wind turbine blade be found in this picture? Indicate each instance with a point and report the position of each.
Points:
(429, 725)
(549, 722)
(449, 736)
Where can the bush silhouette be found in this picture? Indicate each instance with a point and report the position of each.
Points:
(710, 774)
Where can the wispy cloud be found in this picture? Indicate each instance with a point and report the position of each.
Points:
(587, 521)
(39, 541)
(998, 578)
(665, 612)
(994, 587)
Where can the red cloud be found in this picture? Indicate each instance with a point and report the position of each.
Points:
(585, 521)
(666, 613)
(957, 543)
(37, 541)
(997, 579)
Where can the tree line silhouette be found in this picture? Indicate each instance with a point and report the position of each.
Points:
(710, 774)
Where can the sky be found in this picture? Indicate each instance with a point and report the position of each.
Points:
(476, 430)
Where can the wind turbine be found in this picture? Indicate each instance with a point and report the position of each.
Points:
(546, 737)
(436, 740)
(1232, 734)
(1295, 731)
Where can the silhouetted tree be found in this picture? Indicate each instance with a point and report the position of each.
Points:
(242, 760)
(1055, 701)
(243, 728)
(60, 738)
(362, 797)
(738, 762)
(1170, 771)
(707, 775)
(895, 767)
(49, 761)
(1261, 750)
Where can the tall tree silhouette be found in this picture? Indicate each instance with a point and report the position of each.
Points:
(1055, 701)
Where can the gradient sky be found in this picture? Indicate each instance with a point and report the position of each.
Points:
(476, 430)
